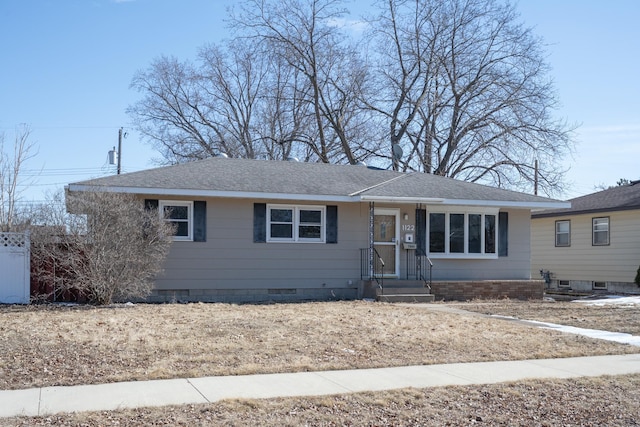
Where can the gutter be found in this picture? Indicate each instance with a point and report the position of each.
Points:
(400, 199)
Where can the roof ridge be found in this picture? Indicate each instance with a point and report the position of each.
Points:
(355, 193)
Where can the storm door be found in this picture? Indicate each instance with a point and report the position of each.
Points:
(386, 231)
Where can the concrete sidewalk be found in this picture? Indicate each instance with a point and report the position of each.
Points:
(50, 400)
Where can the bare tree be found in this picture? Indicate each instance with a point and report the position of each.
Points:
(461, 86)
(169, 113)
(303, 34)
(11, 165)
(110, 249)
(466, 91)
(197, 111)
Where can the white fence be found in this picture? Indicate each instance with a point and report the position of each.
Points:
(14, 268)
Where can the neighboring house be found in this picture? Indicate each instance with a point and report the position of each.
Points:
(257, 230)
(594, 245)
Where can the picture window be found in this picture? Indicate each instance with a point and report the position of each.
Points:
(462, 234)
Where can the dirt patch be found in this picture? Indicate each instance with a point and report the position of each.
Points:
(610, 401)
(45, 345)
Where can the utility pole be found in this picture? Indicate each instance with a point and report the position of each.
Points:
(535, 178)
(119, 150)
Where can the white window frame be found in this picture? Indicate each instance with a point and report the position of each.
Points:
(598, 285)
(564, 284)
(296, 224)
(568, 233)
(483, 212)
(594, 231)
(162, 204)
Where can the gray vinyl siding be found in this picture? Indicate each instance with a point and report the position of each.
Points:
(515, 266)
(230, 259)
(616, 262)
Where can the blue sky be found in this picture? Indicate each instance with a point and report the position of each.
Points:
(67, 66)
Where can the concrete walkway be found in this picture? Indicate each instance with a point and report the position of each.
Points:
(50, 400)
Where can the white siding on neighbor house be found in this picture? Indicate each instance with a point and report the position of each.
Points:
(581, 261)
(229, 259)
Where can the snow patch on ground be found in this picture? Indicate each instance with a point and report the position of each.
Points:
(618, 337)
(612, 300)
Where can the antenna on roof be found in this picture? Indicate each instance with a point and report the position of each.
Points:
(396, 151)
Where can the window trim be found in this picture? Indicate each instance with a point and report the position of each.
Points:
(568, 233)
(296, 224)
(597, 285)
(189, 205)
(593, 231)
(483, 212)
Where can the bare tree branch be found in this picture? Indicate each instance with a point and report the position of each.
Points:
(10, 167)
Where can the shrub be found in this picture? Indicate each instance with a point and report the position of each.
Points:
(110, 248)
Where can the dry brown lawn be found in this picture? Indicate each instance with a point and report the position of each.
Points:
(46, 345)
(614, 318)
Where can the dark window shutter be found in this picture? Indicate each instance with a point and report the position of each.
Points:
(332, 224)
(199, 221)
(503, 234)
(150, 204)
(259, 222)
(421, 232)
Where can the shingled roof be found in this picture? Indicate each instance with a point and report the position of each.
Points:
(624, 197)
(282, 180)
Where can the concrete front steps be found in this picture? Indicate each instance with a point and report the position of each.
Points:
(404, 291)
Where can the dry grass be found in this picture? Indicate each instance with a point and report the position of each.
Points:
(612, 318)
(44, 346)
(603, 401)
(70, 345)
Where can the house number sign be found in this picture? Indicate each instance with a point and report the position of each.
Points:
(408, 227)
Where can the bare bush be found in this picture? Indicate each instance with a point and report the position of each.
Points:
(110, 248)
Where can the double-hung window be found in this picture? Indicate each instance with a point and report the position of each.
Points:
(563, 233)
(600, 231)
(462, 234)
(180, 215)
(295, 223)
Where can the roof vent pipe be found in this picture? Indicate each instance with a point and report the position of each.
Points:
(223, 155)
(292, 159)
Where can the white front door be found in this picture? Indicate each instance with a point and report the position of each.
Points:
(386, 238)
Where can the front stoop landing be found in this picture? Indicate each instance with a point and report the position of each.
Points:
(404, 291)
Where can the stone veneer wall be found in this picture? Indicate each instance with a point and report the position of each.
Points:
(488, 289)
